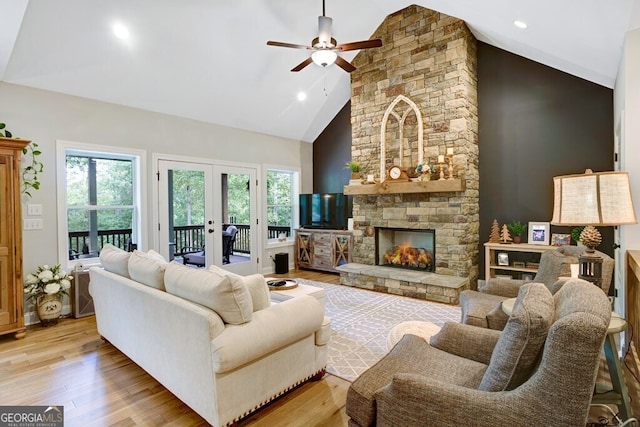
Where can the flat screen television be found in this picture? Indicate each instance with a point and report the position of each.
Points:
(325, 210)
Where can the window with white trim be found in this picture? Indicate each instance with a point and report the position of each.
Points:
(282, 202)
(99, 202)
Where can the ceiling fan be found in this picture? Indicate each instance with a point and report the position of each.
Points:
(325, 47)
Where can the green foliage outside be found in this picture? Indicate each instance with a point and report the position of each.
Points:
(279, 203)
(114, 193)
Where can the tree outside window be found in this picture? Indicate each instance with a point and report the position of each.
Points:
(281, 195)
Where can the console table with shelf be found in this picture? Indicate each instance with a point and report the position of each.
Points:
(321, 249)
(491, 251)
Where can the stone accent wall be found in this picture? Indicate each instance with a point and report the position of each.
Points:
(430, 58)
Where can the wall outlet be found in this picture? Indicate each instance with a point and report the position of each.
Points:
(32, 224)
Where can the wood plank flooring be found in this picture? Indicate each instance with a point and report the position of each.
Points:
(68, 364)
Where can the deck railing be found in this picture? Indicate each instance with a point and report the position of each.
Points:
(186, 238)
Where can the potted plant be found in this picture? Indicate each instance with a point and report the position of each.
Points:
(32, 166)
(355, 167)
(575, 234)
(516, 228)
(46, 286)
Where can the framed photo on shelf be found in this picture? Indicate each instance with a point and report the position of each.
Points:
(539, 233)
(560, 239)
(519, 264)
(503, 258)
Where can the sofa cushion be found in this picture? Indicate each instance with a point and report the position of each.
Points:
(147, 268)
(256, 284)
(115, 260)
(226, 295)
(516, 353)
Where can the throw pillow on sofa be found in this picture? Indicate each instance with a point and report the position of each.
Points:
(147, 268)
(115, 260)
(226, 295)
(256, 284)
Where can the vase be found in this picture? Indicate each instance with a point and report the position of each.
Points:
(49, 308)
(517, 239)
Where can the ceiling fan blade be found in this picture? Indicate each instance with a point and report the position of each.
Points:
(345, 65)
(365, 44)
(291, 45)
(301, 65)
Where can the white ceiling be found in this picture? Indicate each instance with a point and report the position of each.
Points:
(208, 60)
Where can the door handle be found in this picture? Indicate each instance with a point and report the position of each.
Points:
(210, 230)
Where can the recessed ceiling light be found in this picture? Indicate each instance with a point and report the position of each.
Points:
(302, 96)
(520, 24)
(121, 31)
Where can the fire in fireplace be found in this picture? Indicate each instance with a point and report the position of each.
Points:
(406, 248)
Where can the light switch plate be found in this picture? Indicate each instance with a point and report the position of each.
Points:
(34, 210)
(32, 223)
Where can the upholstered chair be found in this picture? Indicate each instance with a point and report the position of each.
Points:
(547, 353)
(484, 307)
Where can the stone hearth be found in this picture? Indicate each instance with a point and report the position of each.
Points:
(429, 58)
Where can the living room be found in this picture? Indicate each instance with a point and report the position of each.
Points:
(534, 122)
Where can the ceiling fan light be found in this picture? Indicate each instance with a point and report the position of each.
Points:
(324, 58)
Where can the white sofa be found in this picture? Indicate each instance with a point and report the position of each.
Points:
(223, 371)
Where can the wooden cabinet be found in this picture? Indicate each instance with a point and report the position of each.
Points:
(323, 249)
(521, 258)
(11, 293)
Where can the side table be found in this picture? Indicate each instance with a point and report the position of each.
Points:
(619, 396)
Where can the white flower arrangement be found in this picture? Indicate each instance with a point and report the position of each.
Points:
(47, 281)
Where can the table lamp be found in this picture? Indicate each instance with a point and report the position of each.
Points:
(592, 199)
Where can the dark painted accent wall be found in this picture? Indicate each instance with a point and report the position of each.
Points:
(535, 123)
(331, 150)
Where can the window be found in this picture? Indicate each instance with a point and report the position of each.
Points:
(99, 202)
(282, 202)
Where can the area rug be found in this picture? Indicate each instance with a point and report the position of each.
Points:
(361, 321)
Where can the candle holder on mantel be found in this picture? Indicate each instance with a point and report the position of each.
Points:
(450, 161)
(441, 164)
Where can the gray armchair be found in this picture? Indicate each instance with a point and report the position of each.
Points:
(471, 376)
(484, 307)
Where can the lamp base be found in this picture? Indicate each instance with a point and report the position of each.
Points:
(590, 267)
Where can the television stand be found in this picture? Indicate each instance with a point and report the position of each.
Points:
(322, 249)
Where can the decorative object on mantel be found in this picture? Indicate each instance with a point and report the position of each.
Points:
(450, 161)
(590, 199)
(46, 286)
(441, 164)
(412, 107)
(424, 172)
(494, 237)
(396, 174)
(504, 235)
(354, 166)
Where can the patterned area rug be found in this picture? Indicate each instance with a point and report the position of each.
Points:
(361, 321)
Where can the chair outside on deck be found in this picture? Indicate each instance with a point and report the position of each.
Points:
(228, 240)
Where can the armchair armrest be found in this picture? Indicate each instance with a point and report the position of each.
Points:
(508, 288)
(415, 400)
(468, 341)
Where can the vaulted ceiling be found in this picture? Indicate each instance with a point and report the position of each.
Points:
(208, 60)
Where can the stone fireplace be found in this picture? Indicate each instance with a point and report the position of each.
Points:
(428, 60)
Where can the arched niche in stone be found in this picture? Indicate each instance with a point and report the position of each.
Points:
(402, 139)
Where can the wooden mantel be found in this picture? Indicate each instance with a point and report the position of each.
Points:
(390, 187)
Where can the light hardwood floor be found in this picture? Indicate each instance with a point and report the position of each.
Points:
(68, 364)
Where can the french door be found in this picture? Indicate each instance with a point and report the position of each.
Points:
(207, 215)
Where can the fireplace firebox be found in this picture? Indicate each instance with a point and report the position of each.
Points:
(406, 248)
